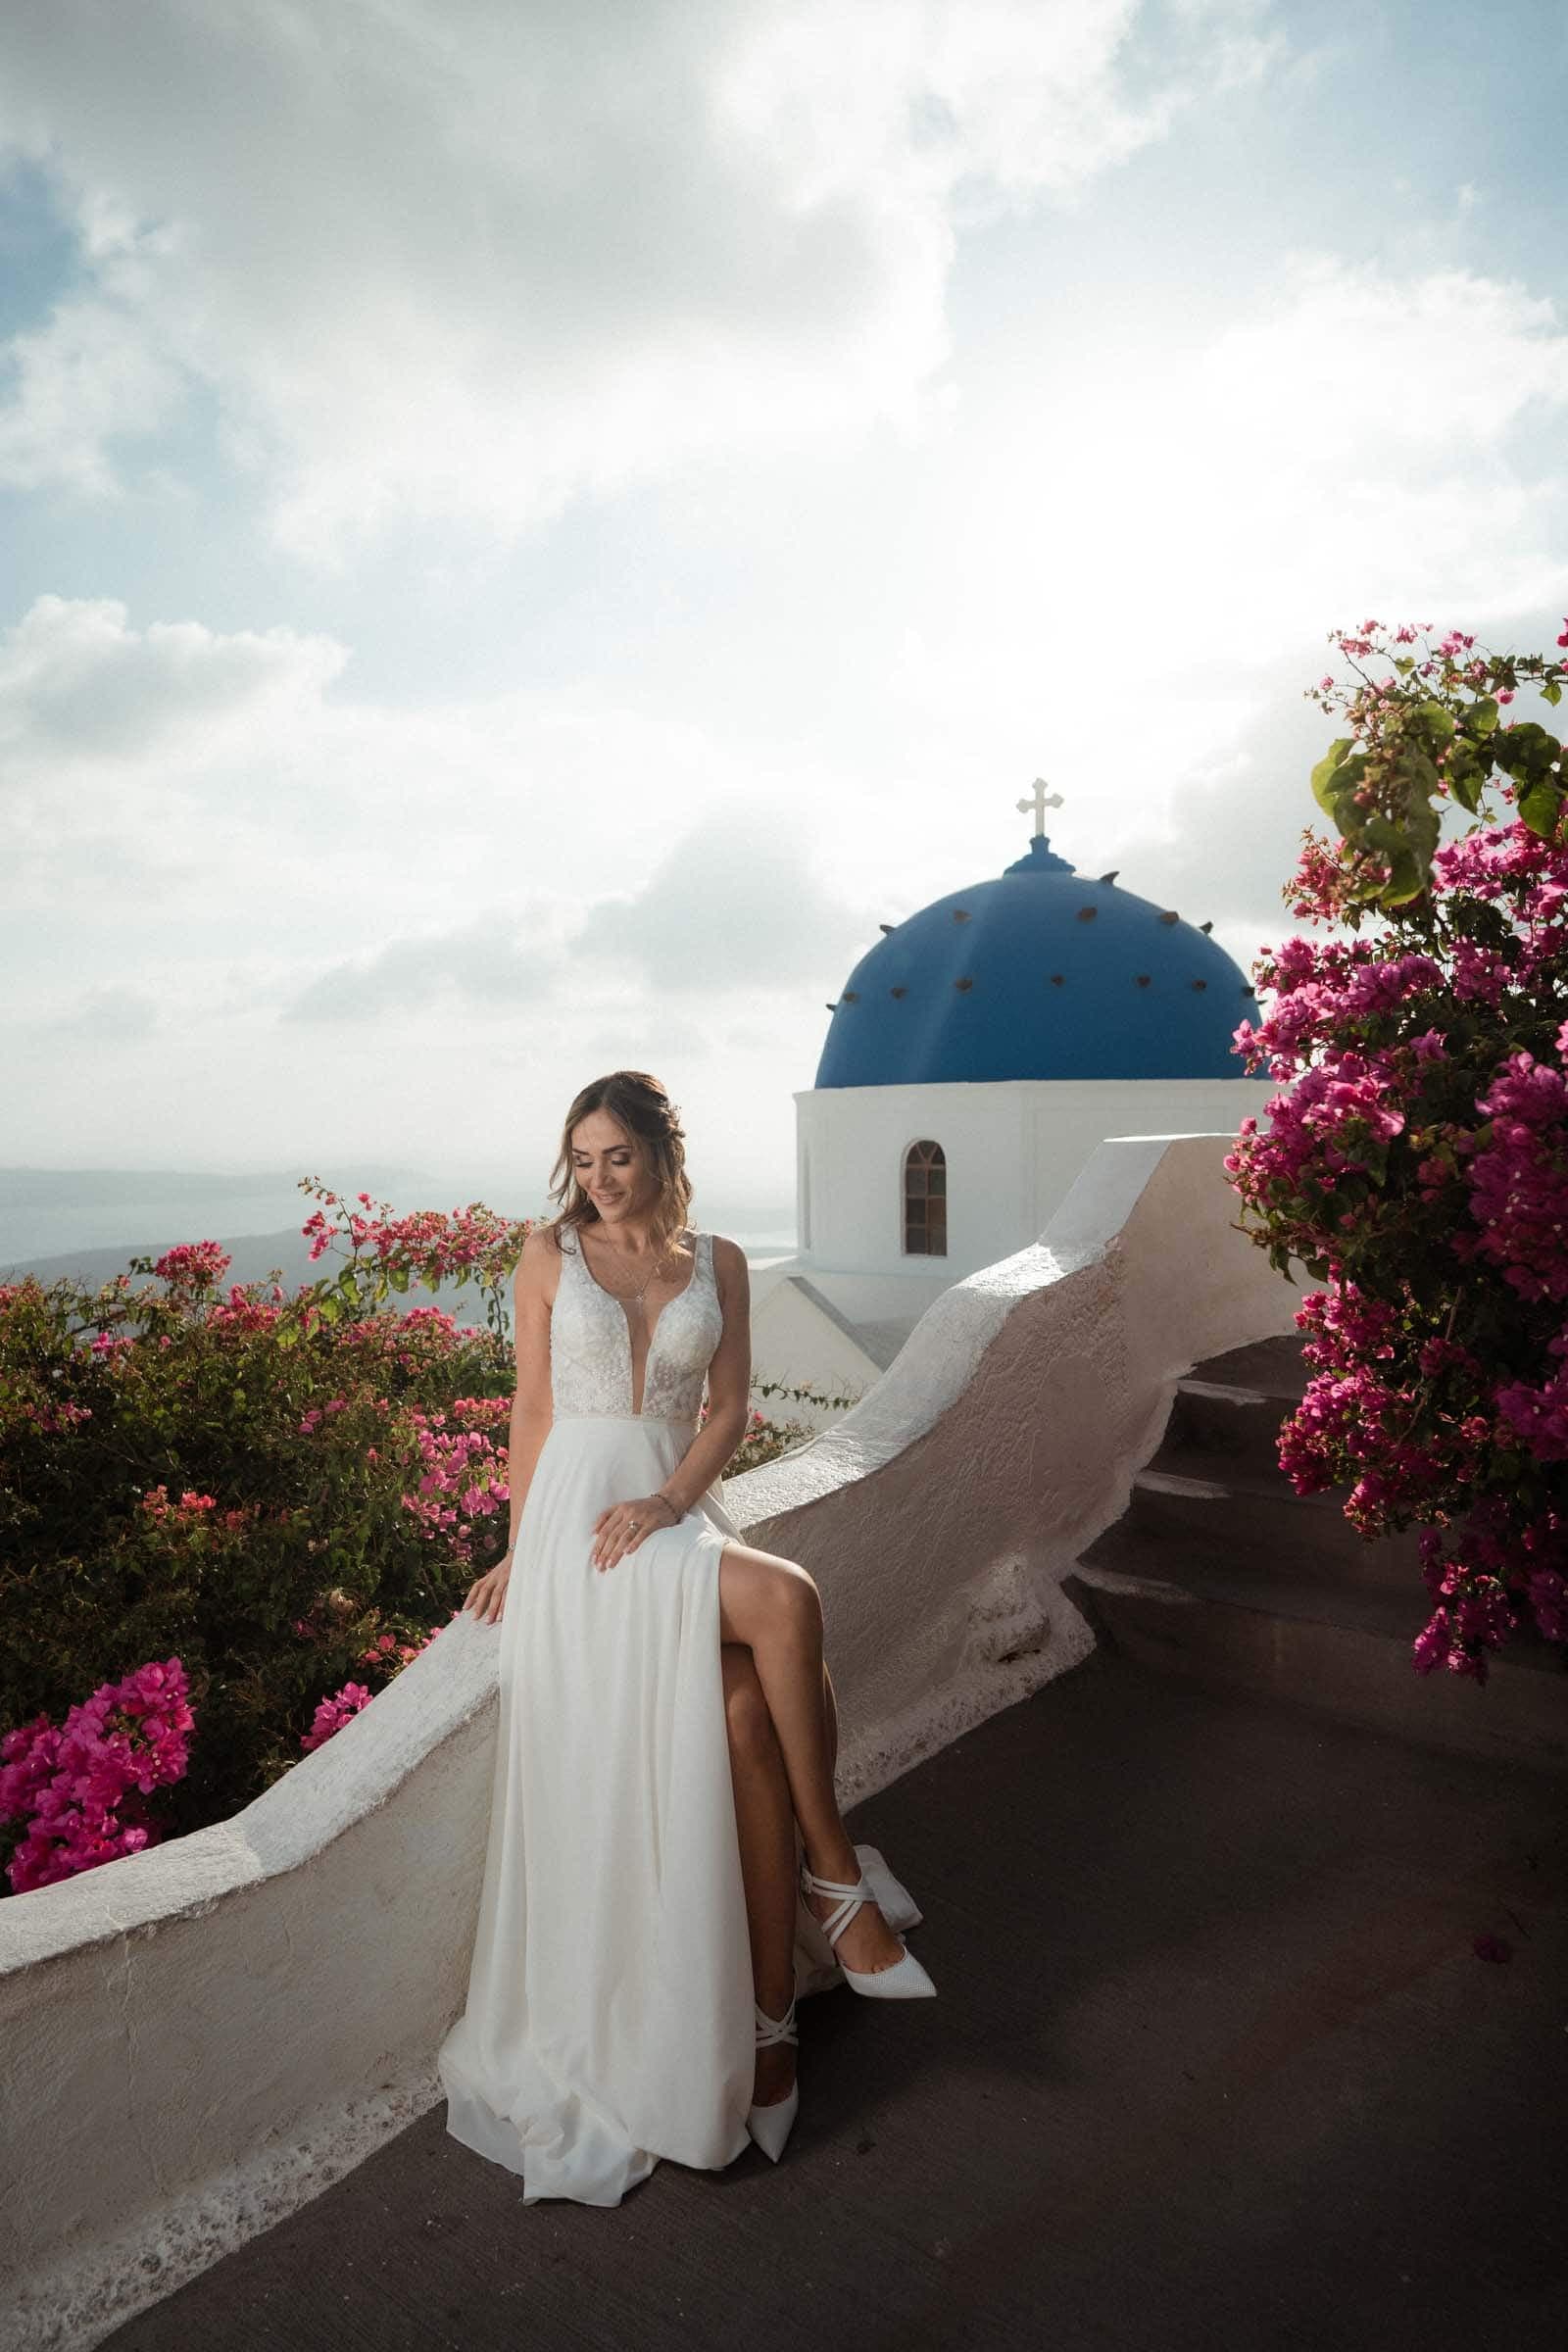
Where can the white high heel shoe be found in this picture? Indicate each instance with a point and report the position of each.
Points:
(769, 2126)
(895, 1903)
(906, 1980)
(817, 1968)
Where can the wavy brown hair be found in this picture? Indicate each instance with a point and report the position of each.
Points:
(642, 1108)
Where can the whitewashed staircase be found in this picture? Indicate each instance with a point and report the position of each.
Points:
(1218, 1570)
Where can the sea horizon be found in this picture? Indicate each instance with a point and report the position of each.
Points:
(90, 1222)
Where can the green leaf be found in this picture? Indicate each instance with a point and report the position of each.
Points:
(1525, 752)
(1405, 880)
(1327, 784)
(1552, 693)
(1424, 829)
(1382, 833)
(330, 1308)
(1418, 772)
(1436, 723)
(1539, 806)
(1482, 717)
(1466, 781)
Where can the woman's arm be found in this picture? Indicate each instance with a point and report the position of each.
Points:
(729, 1384)
(532, 1411)
(532, 1404)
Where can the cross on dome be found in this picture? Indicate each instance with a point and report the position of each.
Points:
(1040, 800)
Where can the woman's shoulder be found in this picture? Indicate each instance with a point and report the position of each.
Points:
(541, 1253)
(728, 1257)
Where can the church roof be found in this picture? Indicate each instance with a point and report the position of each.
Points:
(1036, 974)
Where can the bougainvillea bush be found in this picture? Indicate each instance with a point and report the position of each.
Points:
(229, 1514)
(1418, 1155)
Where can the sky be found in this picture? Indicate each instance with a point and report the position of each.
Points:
(528, 528)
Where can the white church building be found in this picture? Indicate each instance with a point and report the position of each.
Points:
(977, 1056)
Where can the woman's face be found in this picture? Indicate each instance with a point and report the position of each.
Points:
(610, 1167)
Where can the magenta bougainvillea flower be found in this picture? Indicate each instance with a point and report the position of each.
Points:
(79, 1787)
(1415, 1158)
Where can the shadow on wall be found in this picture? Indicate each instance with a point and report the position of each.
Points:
(202, 2038)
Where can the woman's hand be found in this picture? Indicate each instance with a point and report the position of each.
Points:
(622, 1527)
(488, 1592)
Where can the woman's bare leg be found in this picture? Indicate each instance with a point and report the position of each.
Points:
(772, 1606)
(765, 1818)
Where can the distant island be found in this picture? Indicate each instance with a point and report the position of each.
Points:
(85, 1224)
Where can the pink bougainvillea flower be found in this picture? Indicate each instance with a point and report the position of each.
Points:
(80, 1789)
(1416, 1152)
(332, 1713)
(193, 1265)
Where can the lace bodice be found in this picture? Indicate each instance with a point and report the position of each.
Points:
(590, 1341)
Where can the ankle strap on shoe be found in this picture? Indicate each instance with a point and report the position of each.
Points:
(854, 1897)
(774, 2029)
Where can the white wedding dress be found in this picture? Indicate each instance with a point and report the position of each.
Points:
(610, 2010)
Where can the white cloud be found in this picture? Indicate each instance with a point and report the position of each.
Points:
(91, 377)
(493, 961)
(144, 772)
(109, 1015)
(734, 913)
(264, 846)
(1136, 554)
(78, 682)
(219, 774)
(1374, 368)
(735, 903)
(465, 261)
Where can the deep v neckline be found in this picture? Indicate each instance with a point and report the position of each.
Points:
(647, 1353)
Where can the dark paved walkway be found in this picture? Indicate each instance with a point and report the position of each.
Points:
(1214, 2065)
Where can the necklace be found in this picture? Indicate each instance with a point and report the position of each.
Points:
(634, 1298)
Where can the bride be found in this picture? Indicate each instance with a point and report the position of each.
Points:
(667, 1869)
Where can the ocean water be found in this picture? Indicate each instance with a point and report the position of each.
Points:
(54, 1212)
(88, 1222)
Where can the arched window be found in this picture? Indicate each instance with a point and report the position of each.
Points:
(925, 1201)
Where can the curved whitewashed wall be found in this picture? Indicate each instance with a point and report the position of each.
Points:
(1013, 1146)
(198, 2038)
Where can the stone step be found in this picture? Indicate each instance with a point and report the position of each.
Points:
(1273, 1368)
(1340, 1650)
(1230, 1425)
(1191, 1508)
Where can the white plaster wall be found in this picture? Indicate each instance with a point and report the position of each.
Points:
(876, 1297)
(1013, 1148)
(201, 2037)
(793, 1340)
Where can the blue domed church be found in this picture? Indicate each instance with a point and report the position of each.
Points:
(977, 1055)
